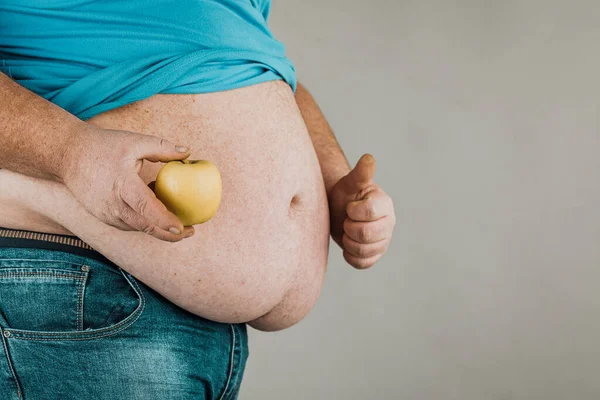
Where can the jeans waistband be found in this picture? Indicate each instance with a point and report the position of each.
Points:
(38, 240)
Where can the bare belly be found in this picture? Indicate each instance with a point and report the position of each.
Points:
(273, 191)
(273, 222)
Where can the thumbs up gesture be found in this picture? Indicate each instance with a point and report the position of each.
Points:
(362, 215)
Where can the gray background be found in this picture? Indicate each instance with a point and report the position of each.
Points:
(483, 116)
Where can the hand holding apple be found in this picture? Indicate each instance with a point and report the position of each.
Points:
(190, 189)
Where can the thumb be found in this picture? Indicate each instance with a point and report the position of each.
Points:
(362, 174)
(155, 149)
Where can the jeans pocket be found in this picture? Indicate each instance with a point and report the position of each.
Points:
(42, 296)
(54, 300)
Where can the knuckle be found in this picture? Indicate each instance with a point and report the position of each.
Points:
(164, 144)
(150, 229)
(135, 198)
(364, 233)
(362, 251)
(120, 188)
(369, 210)
(347, 225)
(128, 218)
(345, 242)
(115, 213)
(142, 205)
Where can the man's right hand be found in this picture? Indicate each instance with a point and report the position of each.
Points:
(101, 168)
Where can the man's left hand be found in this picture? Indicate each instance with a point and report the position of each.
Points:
(362, 215)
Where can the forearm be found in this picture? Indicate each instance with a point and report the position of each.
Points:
(34, 133)
(331, 157)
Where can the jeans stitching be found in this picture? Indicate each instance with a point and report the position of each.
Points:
(112, 333)
(4, 275)
(231, 363)
(35, 260)
(83, 335)
(92, 337)
(10, 366)
(238, 362)
(80, 297)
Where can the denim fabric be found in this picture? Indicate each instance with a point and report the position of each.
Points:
(73, 327)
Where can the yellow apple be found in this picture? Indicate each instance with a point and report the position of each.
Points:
(190, 189)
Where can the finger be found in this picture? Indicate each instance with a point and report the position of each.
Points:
(362, 175)
(375, 205)
(188, 232)
(368, 232)
(361, 263)
(139, 223)
(143, 201)
(155, 149)
(117, 222)
(364, 250)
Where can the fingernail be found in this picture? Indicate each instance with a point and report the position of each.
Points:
(182, 149)
(175, 231)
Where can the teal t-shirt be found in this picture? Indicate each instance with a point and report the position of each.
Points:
(90, 56)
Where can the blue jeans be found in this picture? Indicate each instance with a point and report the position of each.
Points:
(74, 327)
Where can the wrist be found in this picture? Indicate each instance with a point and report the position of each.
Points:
(72, 144)
(333, 176)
